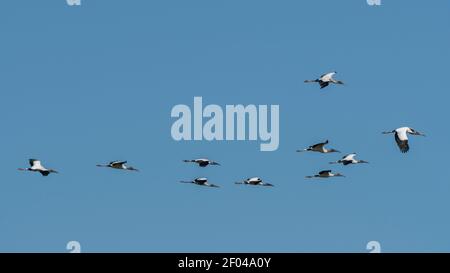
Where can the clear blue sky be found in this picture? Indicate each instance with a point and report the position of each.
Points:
(86, 85)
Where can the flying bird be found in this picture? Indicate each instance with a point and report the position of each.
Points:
(202, 181)
(254, 181)
(319, 147)
(36, 166)
(401, 137)
(202, 162)
(349, 159)
(120, 165)
(325, 80)
(325, 174)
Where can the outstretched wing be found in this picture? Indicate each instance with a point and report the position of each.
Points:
(349, 156)
(402, 144)
(323, 84)
(33, 162)
(319, 145)
(36, 164)
(117, 163)
(45, 173)
(326, 172)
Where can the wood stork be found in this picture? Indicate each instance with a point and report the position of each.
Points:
(325, 174)
(36, 166)
(202, 162)
(319, 147)
(201, 181)
(325, 80)
(401, 137)
(349, 159)
(254, 181)
(120, 165)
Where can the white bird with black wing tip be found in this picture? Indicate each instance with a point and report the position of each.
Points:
(202, 162)
(325, 80)
(36, 166)
(349, 159)
(325, 174)
(401, 137)
(320, 148)
(119, 165)
(201, 181)
(254, 181)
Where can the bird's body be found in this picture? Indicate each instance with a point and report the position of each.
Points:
(202, 162)
(119, 165)
(349, 159)
(201, 181)
(401, 137)
(325, 80)
(320, 148)
(254, 181)
(36, 166)
(325, 174)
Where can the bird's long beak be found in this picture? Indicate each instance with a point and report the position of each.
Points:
(420, 134)
(386, 133)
